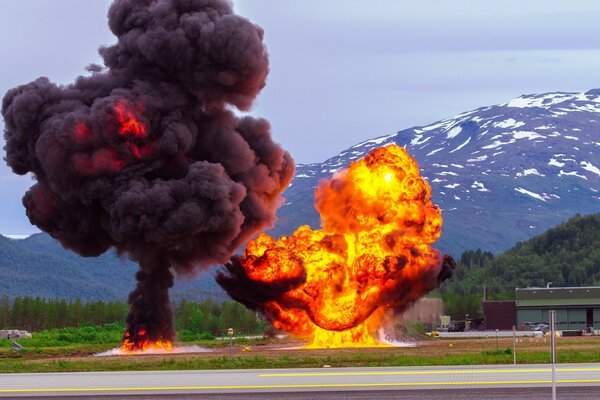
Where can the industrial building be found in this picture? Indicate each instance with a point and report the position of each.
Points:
(577, 308)
(499, 314)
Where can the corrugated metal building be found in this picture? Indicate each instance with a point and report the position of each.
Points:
(577, 308)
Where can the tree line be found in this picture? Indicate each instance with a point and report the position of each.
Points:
(209, 317)
(566, 255)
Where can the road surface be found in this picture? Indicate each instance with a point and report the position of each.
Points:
(480, 382)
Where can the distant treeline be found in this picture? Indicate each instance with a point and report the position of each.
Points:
(566, 255)
(212, 318)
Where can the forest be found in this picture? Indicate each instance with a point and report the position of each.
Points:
(566, 255)
(209, 317)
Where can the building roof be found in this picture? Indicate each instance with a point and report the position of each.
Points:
(558, 296)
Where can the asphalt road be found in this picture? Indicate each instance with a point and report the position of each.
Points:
(587, 393)
(454, 382)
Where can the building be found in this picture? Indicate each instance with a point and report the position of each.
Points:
(427, 311)
(577, 308)
(500, 314)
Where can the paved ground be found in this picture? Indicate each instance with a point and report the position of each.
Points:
(491, 334)
(588, 393)
(348, 383)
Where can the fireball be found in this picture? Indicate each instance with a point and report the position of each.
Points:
(371, 259)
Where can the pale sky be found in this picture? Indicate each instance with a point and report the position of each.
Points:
(342, 71)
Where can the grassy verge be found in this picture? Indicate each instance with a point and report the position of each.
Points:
(358, 359)
(70, 349)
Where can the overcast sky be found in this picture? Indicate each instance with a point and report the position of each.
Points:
(342, 71)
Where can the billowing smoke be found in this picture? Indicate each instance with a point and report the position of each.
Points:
(144, 154)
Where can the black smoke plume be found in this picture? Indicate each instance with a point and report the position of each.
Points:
(144, 154)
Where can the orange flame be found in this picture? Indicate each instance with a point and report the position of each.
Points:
(372, 255)
(141, 344)
(131, 127)
(129, 124)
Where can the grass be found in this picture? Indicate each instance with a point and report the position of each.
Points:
(71, 349)
(261, 361)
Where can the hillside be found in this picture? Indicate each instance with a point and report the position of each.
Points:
(39, 266)
(566, 255)
(501, 174)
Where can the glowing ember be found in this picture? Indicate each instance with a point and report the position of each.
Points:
(131, 127)
(129, 134)
(129, 124)
(82, 132)
(371, 260)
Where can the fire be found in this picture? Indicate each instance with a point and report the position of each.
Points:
(129, 124)
(372, 258)
(142, 344)
(131, 127)
(82, 132)
(126, 146)
(358, 336)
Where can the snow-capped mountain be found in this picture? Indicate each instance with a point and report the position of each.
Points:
(501, 174)
(15, 237)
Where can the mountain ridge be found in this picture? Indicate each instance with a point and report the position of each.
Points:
(501, 175)
(564, 256)
(40, 266)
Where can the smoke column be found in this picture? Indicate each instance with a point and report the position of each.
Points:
(144, 155)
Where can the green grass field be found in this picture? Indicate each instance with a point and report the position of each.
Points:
(72, 349)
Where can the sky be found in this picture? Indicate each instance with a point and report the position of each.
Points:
(342, 71)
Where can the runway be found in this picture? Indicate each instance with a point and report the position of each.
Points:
(330, 383)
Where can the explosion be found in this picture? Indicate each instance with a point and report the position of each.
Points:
(139, 343)
(145, 154)
(370, 261)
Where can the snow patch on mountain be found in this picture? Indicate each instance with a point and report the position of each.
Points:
(16, 237)
(461, 146)
(588, 166)
(536, 196)
(454, 132)
(447, 173)
(527, 135)
(534, 158)
(479, 187)
(435, 151)
(530, 171)
(509, 123)
(477, 159)
(572, 173)
(549, 100)
(498, 143)
(373, 142)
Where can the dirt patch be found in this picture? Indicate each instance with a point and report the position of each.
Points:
(289, 349)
